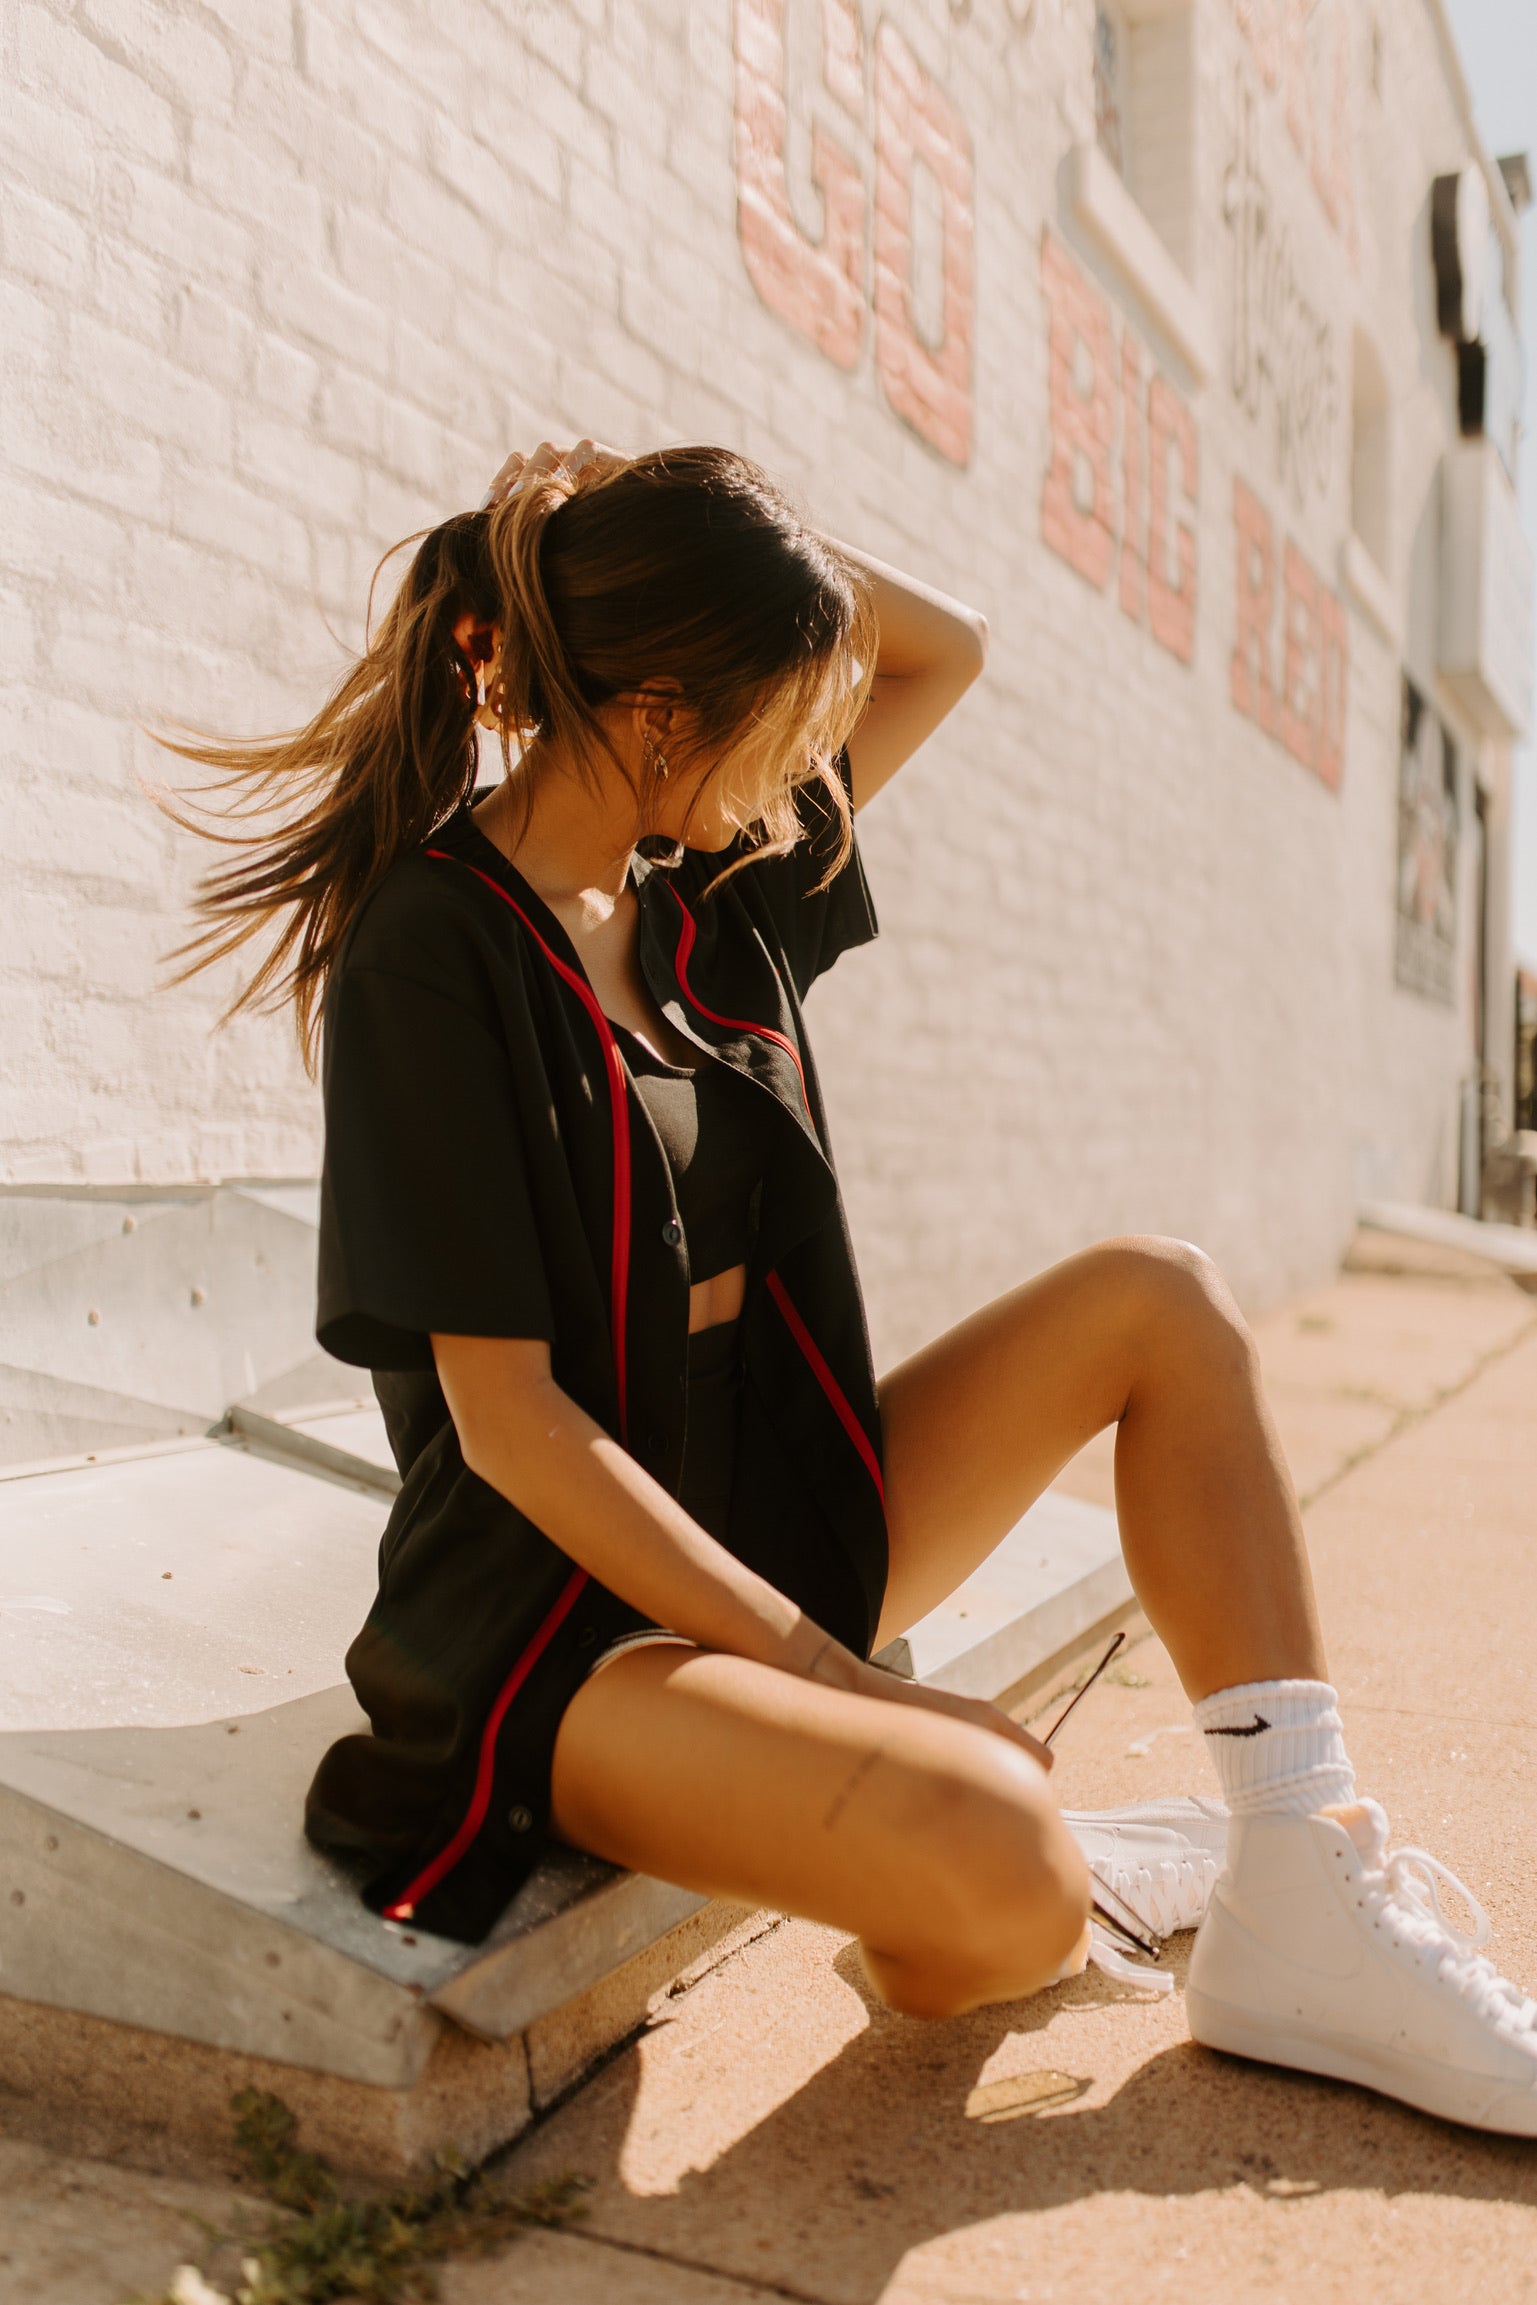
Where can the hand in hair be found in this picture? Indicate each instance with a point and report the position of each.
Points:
(586, 457)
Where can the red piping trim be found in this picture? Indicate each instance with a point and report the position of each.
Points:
(828, 1382)
(619, 1104)
(475, 1816)
(485, 1772)
(686, 935)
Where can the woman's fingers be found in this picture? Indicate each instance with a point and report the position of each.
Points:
(586, 455)
(518, 469)
(503, 481)
(592, 455)
(972, 1709)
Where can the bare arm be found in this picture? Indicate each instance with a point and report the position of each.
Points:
(528, 1439)
(931, 650)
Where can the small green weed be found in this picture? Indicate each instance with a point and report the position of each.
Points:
(380, 2251)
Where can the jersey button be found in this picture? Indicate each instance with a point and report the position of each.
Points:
(672, 1232)
(520, 1818)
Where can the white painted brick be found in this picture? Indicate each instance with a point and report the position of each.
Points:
(437, 376)
(69, 548)
(558, 38)
(55, 59)
(339, 66)
(238, 179)
(286, 378)
(170, 50)
(280, 286)
(211, 508)
(258, 28)
(473, 172)
(212, 337)
(393, 510)
(594, 205)
(44, 243)
(414, 45)
(342, 157)
(350, 413)
(40, 147)
(31, 333)
(162, 216)
(86, 451)
(525, 145)
(135, 293)
(297, 467)
(429, 217)
(152, 393)
(19, 650)
(563, 112)
(314, 306)
(415, 287)
(414, 446)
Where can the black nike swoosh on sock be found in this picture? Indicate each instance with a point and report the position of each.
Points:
(1253, 1728)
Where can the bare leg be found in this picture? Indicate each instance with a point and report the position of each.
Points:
(935, 1842)
(1143, 1334)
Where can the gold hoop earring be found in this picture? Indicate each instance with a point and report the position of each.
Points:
(656, 759)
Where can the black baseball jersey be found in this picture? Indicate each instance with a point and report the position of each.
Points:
(491, 1171)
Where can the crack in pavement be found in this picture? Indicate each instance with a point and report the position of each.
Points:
(1406, 1418)
(749, 2281)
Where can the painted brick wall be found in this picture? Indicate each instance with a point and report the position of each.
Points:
(278, 286)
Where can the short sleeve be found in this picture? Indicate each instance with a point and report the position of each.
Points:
(815, 924)
(426, 1217)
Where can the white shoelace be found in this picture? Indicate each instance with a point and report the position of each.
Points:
(1403, 1888)
(1108, 1957)
(1166, 1897)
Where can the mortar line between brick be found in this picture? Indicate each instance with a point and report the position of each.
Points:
(1407, 1418)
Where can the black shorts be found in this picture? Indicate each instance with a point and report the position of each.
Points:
(815, 1575)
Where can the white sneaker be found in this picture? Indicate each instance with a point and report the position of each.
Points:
(1158, 1861)
(1325, 1951)
(1160, 1858)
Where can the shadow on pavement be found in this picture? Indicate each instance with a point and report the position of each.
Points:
(875, 2156)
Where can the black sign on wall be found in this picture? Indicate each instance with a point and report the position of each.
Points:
(1425, 948)
(1473, 306)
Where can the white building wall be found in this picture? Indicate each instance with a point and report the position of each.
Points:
(278, 286)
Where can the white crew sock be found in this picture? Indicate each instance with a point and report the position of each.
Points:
(1277, 1747)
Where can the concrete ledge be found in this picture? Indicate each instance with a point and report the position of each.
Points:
(167, 1935)
(1510, 1248)
(82, 2084)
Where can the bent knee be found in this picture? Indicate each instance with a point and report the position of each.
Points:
(999, 1896)
(1175, 1286)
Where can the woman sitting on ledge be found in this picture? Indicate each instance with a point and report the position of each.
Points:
(580, 1218)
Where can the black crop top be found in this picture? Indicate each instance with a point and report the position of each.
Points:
(704, 1116)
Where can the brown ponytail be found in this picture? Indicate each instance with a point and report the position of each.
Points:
(686, 567)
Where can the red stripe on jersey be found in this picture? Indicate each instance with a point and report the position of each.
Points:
(828, 1382)
(619, 1105)
(485, 1773)
(475, 1816)
(686, 936)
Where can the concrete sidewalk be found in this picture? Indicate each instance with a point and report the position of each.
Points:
(772, 2134)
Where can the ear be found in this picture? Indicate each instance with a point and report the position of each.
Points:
(476, 639)
(656, 709)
